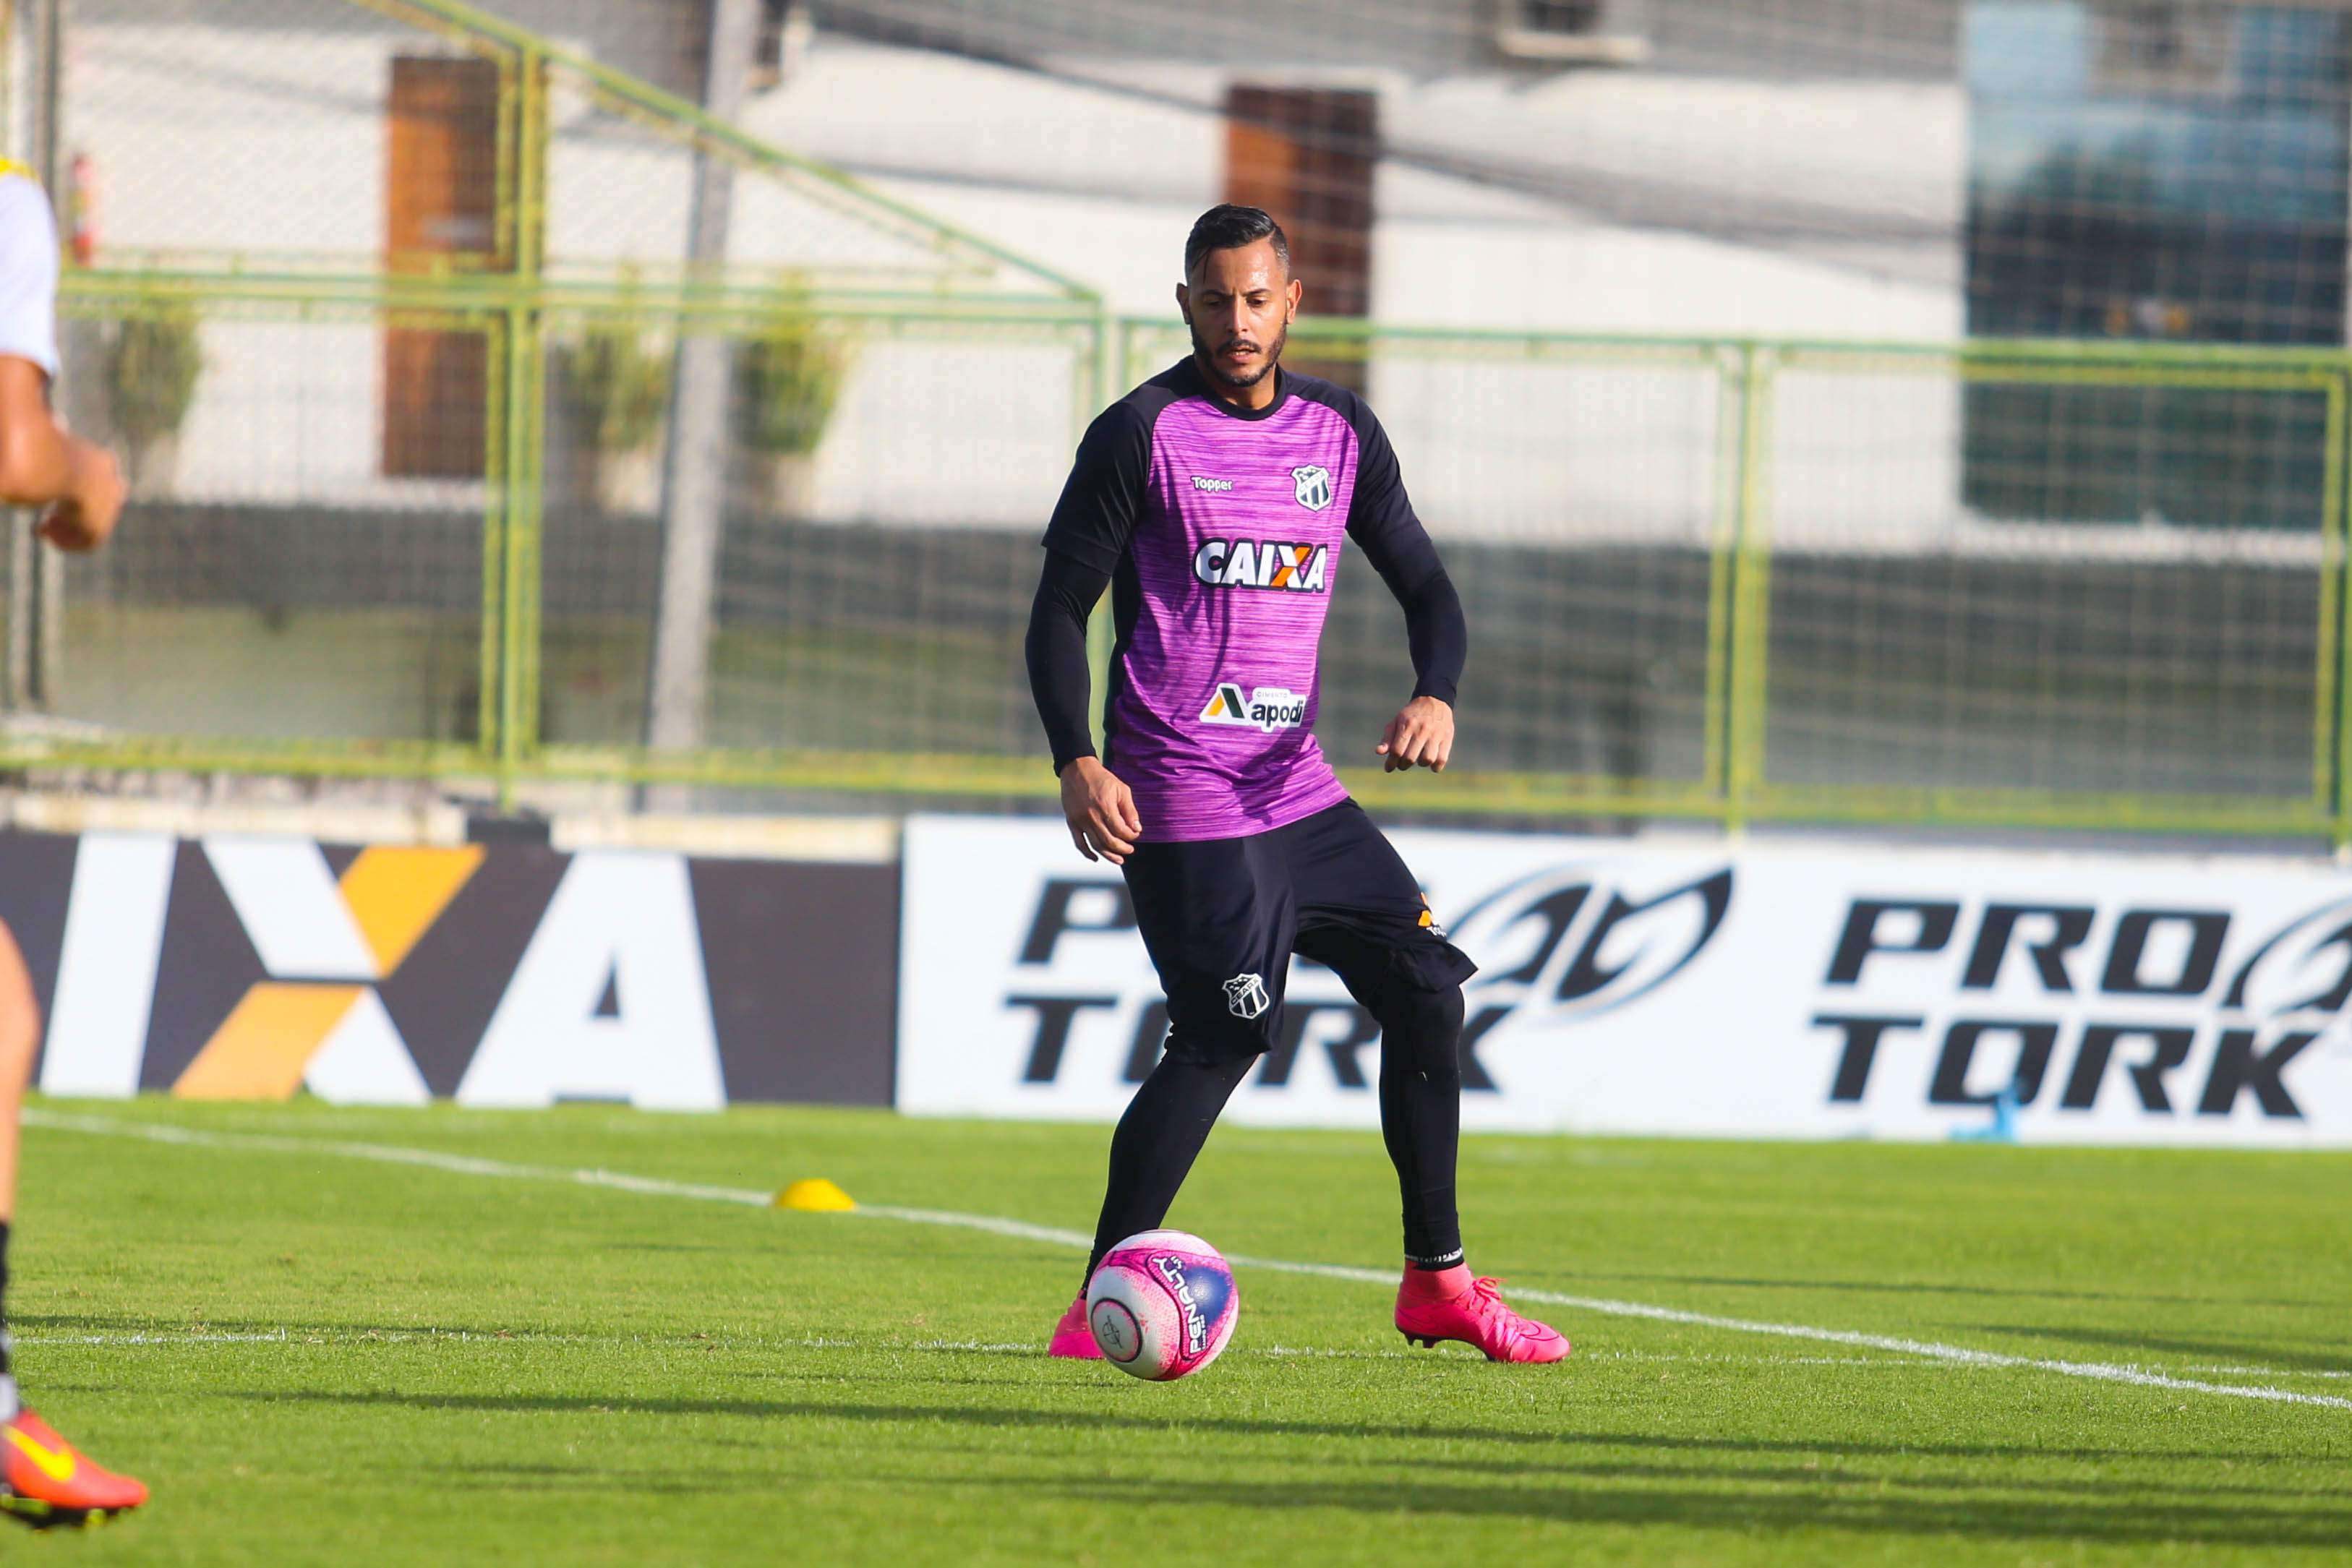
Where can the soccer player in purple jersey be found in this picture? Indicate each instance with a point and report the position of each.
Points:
(1214, 501)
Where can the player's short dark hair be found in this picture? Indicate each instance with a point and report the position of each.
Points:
(1229, 227)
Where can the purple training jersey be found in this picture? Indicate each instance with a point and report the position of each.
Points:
(1222, 529)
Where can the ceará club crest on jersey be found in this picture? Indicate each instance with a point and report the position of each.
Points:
(1312, 486)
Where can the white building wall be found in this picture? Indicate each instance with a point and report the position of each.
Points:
(271, 142)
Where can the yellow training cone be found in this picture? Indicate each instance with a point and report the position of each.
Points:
(814, 1192)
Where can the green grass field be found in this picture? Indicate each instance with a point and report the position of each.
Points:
(315, 1357)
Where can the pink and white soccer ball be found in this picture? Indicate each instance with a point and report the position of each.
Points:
(1162, 1304)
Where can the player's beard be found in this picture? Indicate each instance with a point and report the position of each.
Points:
(1207, 356)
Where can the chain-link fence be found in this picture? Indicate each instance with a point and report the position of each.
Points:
(1919, 641)
(394, 310)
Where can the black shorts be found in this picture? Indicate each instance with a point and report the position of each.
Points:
(1221, 919)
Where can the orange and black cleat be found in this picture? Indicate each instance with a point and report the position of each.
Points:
(43, 1483)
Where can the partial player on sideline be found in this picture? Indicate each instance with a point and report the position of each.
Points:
(80, 490)
(1214, 501)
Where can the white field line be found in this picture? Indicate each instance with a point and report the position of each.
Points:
(464, 1165)
(276, 1336)
(388, 1153)
(2265, 1372)
(2101, 1370)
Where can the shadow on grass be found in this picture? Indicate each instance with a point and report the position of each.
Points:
(1096, 1420)
(1696, 1483)
(2144, 1518)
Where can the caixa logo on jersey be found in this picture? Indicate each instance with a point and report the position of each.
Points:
(2070, 1008)
(1262, 563)
(1570, 944)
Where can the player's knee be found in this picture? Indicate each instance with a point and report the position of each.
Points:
(1214, 1038)
(1421, 1026)
(20, 1033)
(1224, 1062)
(1403, 1006)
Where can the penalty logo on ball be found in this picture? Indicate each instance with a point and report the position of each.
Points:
(1162, 1305)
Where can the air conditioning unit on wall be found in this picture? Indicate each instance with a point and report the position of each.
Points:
(1571, 32)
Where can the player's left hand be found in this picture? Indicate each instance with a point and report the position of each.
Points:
(1423, 734)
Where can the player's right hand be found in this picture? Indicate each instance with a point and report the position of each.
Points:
(1100, 810)
(86, 514)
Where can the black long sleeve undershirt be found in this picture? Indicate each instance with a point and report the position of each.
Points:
(1436, 631)
(1056, 646)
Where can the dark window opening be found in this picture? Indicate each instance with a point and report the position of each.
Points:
(1570, 17)
(1307, 156)
(441, 201)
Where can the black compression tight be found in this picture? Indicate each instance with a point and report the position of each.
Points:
(1421, 1119)
(1158, 1140)
(1421, 1114)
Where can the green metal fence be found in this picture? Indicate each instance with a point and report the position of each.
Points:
(1769, 646)
(1716, 579)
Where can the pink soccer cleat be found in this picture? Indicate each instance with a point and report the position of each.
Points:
(1074, 1337)
(1448, 1304)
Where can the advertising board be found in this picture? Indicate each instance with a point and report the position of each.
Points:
(249, 967)
(1695, 987)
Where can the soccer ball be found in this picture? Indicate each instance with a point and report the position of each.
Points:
(1162, 1305)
